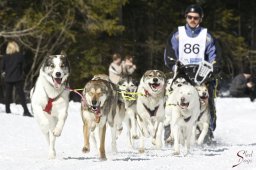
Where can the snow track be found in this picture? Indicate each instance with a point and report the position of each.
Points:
(23, 147)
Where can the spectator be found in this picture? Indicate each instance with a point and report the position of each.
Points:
(242, 86)
(127, 66)
(12, 71)
(115, 69)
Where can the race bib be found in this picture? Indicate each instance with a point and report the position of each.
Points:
(191, 50)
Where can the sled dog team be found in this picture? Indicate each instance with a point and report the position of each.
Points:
(144, 107)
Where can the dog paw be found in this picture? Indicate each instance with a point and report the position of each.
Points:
(176, 153)
(85, 150)
(52, 155)
(186, 152)
(154, 141)
(56, 132)
(170, 141)
(135, 137)
(159, 144)
(103, 157)
(141, 150)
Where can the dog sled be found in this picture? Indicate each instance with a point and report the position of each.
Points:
(195, 74)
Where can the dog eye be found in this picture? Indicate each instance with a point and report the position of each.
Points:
(62, 65)
(52, 65)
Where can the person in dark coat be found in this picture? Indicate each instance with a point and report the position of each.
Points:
(242, 86)
(12, 71)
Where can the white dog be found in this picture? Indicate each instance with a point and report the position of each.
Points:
(184, 116)
(150, 107)
(200, 130)
(50, 99)
(171, 93)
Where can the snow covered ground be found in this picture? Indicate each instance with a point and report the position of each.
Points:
(23, 147)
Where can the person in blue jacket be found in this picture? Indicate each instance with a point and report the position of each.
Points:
(192, 44)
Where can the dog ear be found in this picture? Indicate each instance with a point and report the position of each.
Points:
(64, 58)
(48, 60)
(147, 72)
(120, 82)
(136, 83)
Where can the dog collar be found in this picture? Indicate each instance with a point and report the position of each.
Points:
(146, 93)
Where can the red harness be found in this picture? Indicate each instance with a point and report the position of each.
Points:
(48, 107)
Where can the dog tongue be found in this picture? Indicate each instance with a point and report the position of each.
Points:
(58, 80)
(204, 97)
(155, 86)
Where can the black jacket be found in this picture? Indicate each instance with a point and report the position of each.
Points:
(12, 65)
(238, 86)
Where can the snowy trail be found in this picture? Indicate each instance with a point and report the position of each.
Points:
(23, 147)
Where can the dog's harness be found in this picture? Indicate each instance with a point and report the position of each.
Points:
(97, 114)
(146, 93)
(48, 107)
(85, 105)
(186, 119)
(151, 112)
(200, 116)
(49, 104)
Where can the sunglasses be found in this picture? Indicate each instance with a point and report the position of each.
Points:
(191, 17)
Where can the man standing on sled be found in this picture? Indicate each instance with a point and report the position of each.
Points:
(192, 44)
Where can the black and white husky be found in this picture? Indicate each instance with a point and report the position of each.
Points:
(50, 99)
(126, 110)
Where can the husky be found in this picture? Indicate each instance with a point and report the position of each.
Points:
(127, 107)
(171, 90)
(98, 108)
(50, 99)
(150, 107)
(184, 116)
(200, 130)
